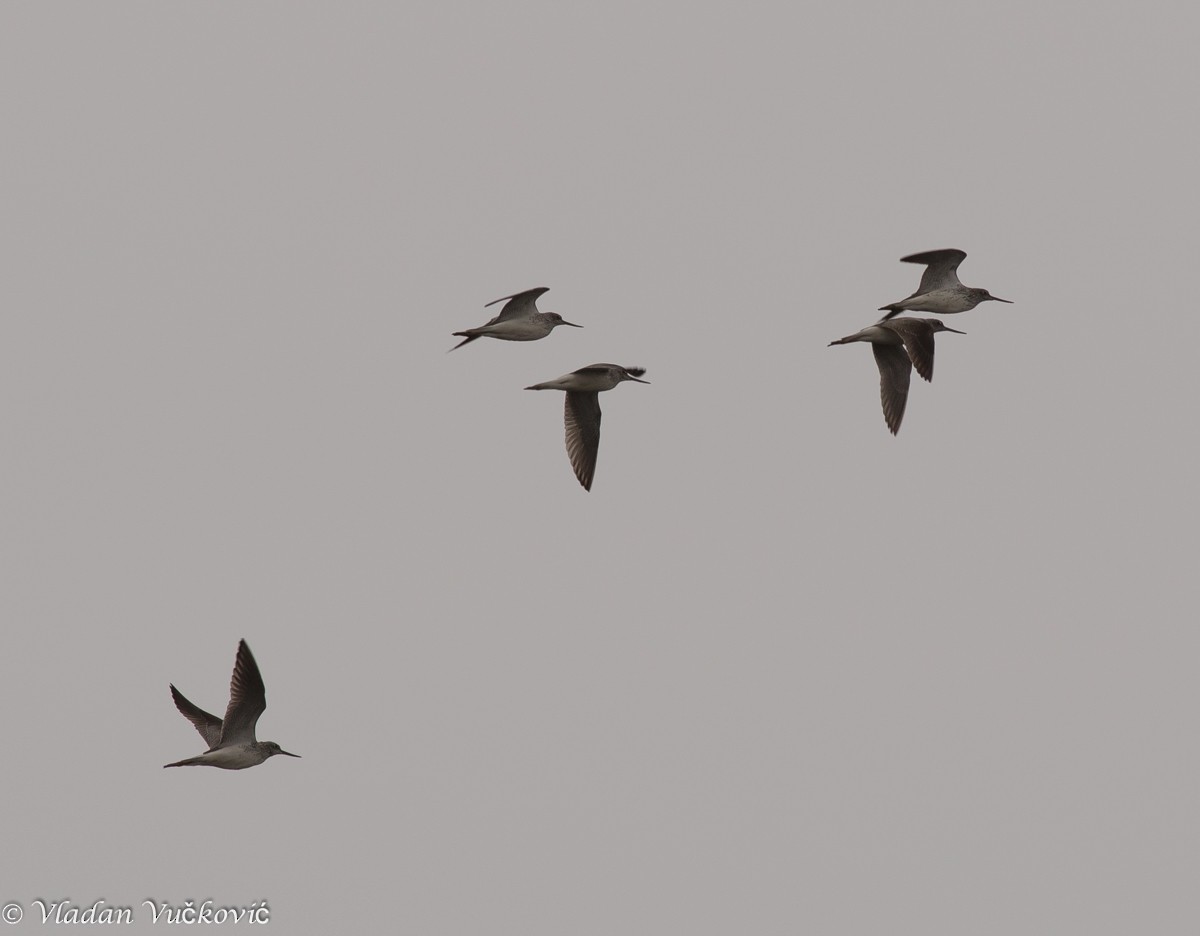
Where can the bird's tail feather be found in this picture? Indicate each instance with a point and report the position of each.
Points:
(186, 762)
(467, 339)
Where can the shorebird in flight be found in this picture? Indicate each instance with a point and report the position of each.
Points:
(582, 411)
(519, 320)
(940, 291)
(231, 743)
(899, 345)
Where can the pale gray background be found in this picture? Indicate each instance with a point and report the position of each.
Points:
(779, 672)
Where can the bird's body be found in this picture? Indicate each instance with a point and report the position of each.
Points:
(229, 758)
(940, 291)
(899, 345)
(519, 320)
(231, 741)
(582, 411)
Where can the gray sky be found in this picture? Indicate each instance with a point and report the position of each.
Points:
(779, 672)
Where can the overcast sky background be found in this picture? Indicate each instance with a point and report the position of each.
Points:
(779, 672)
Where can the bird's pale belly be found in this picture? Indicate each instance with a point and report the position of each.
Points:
(233, 758)
(942, 301)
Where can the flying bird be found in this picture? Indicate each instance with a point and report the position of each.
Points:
(582, 411)
(940, 291)
(231, 743)
(899, 345)
(519, 320)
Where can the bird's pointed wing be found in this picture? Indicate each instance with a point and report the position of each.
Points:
(520, 305)
(941, 268)
(895, 373)
(582, 416)
(206, 723)
(918, 341)
(247, 699)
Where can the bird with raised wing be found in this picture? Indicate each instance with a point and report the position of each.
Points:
(231, 742)
(940, 291)
(899, 345)
(519, 320)
(582, 411)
